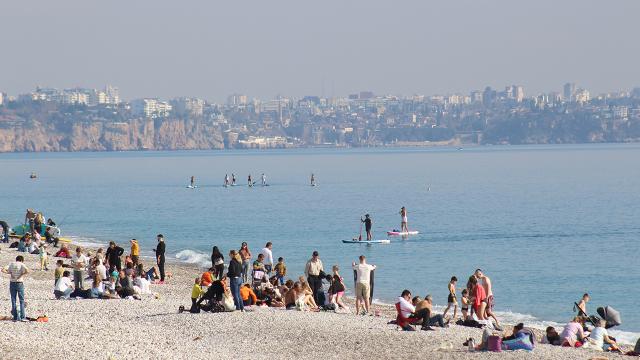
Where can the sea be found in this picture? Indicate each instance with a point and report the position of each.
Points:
(545, 223)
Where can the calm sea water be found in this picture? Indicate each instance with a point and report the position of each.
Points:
(547, 223)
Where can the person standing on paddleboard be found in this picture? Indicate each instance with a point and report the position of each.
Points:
(367, 225)
(264, 180)
(403, 223)
(313, 180)
(226, 179)
(193, 181)
(250, 181)
(233, 179)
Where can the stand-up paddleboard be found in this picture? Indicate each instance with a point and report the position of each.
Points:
(356, 241)
(192, 186)
(402, 233)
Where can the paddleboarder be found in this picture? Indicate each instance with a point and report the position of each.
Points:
(264, 180)
(313, 180)
(403, 223)
(193, 181)
(367, 225)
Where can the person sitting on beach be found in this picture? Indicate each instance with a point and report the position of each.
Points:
(215, 292)
(63, 252)
(100, 269)
(141, 284)
(207, 277)
(514, 334)
(308, 294)
(97, 287)
(22, 243)
(125, 286)
(573, 334)
(551, 336)
(297, 297)
(64, 286)
(247, 295)
(599, 338)
(424, 310)
(196, 293)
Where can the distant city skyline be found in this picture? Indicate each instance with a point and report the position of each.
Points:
(209, 50)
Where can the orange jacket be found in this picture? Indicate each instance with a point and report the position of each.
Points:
(246, 292)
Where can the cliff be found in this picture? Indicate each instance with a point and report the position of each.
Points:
(137, 134)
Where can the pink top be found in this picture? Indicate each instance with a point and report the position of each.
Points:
(570, 333)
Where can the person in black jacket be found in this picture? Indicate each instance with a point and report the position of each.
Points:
(217, 262)
(234, 274)
(113, 256)
(160, 249)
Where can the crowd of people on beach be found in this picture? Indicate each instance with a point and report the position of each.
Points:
(247, 281)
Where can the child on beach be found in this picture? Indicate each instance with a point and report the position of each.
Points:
(281, 270)
(196, 292)
(44, 259)
(465, 304)
(58, 272)
(452, 300)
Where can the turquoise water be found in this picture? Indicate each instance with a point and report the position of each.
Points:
(546, 223)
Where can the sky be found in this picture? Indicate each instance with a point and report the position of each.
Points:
(209, 49)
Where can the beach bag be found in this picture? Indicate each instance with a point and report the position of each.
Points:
(228, 303)
(494, 343)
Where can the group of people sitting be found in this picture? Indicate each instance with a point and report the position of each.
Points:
(266, 287)
(108, 278)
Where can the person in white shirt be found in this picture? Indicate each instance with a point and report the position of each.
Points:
(363, 283)
(406, 308)
(63, 287)
(268, 257)
(599, 338)
(101, 269)
(79, 262)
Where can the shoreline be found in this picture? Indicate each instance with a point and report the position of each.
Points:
(143, 329)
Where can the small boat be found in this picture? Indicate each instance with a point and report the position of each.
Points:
(33, 176)
(368, 242)
(402, 233)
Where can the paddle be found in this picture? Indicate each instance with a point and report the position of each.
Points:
(360, 236)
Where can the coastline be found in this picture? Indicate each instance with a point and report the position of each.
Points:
(153, 328)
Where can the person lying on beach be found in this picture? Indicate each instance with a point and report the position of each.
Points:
(63, 252)
(551, 336)
(514, 334)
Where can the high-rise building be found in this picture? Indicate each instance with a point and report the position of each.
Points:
(234, 100)
(569, 92)
(188, 106)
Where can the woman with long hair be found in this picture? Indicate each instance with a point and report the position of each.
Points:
(217, 262)
(245, 254)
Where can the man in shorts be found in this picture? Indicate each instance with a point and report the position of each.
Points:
(363, 284)
(488, 288)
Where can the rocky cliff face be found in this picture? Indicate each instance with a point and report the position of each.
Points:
(139, 134)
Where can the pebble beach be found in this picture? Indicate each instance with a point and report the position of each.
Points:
(152, 328)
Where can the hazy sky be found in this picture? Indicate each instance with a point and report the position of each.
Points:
(262, 48)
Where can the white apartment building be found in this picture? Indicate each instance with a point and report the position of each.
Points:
(151, 108)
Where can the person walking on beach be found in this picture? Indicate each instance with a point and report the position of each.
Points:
(486, 283)
(363, 283)
(79, 262)
(113, 256)
(268, 257)
(233, 273)
(452, 299)
(245, 255)
(403, 223)
(367, 225)
(135, 251)
(217, 262)
(312, 271)
(17, 270)
(160, 250)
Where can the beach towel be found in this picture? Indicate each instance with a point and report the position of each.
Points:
(521, 342)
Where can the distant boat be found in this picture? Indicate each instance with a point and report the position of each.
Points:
(33, 176)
